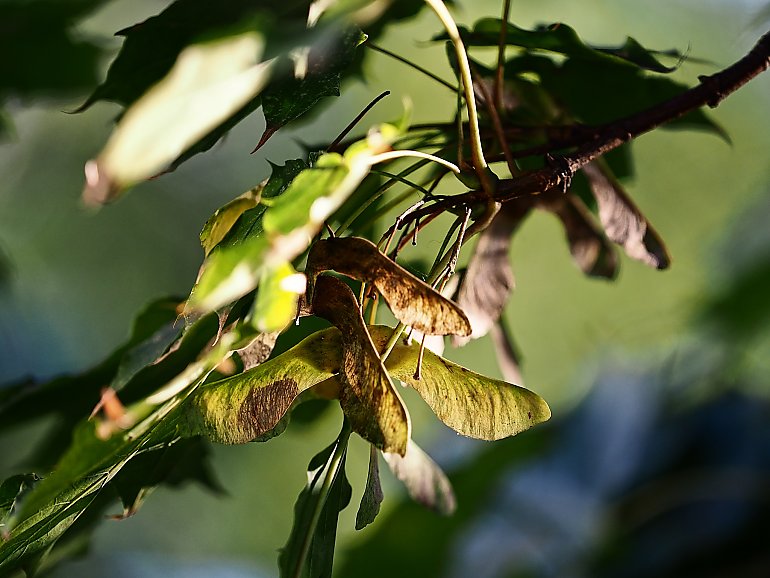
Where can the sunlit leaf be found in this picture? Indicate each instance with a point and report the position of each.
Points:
(425, 481)
(279, 290)
(623, 222)
(223, 219)
(488, 280)
(208, 83)
(288, 224)
(309, 551)
(373, 496)
(305, 200)
(413, 302)
(590, 249)
(228, 274)
(368, 397)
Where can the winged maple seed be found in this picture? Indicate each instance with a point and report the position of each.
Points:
(412, 301)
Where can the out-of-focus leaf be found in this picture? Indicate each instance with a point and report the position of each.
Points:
(368, 398)
(279, 290)
(590, 249)
(506, 354)
(317, 77)
(425, 481)
(43, 55)
(563, 39)
(174, 464)
(207, 84)
(471, 404)
(145, 353)
(72, 397)
(238, 409)
(413, 302)
(324, 501)
(373, 496)
(623, 221)
(223, 219)
(488, 281)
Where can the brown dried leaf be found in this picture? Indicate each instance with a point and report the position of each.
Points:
(590, 249)
(489, 279)
(623, 222)
(368, 397)
(425, 481)
(413, 302)
(259, 350)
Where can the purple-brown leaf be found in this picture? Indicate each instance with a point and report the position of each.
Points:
(623, 222)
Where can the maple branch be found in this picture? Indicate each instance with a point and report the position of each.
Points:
(601, 139)
(711, 91)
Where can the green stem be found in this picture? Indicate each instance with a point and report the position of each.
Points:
(479, 162)
(330, 473)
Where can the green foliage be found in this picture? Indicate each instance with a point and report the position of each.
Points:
(204, 369)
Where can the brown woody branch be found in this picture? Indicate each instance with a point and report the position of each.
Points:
(602, 139)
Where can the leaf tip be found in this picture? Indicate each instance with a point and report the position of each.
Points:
(100, 188)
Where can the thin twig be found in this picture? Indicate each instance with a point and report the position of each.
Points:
(417, 67)
(356, 120)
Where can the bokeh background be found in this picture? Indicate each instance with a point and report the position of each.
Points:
(658, 452)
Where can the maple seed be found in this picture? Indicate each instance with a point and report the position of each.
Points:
(413, 302)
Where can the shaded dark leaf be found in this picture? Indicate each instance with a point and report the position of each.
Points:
(292, 97)
(146, 353)
(368, 397)
(151, 47)
(296, 559)
(563, 39)
(43, 55)
(183, 461)
(12, 490)
(372, 498)
(590, 249)
(489, 280)
(623, 222)
(425, 481)
(281, 177)
(413, 302)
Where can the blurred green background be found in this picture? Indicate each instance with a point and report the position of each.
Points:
(77, 277)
